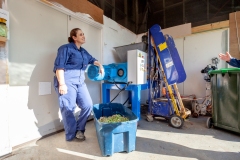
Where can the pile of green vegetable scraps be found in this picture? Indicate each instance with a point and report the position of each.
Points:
(113, 119)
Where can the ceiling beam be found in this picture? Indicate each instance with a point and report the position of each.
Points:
(207, 10)
(164, 14)
(96, 3)
(102, 4)
(220, 9)
(111, 6)
(126, 12)
(136, 16)
(113, 10)
(184, 16)
(166, 7)
(171, 6)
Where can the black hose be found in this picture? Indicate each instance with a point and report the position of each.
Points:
(120, 90)
(126, 101)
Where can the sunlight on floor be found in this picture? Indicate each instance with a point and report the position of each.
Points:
(77, 153)
(119, 156)
(159, 156)
(183, 139)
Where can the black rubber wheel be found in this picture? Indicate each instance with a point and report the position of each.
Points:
(209, 122)
(176, 121)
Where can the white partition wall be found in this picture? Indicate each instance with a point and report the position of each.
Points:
(180, 46)
(37, 31)
(198, 50)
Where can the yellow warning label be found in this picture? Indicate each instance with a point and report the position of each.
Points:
(162, 46)
(139, 54)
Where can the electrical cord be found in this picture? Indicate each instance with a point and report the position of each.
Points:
(117, 85)
(120, 90)
(126, 101)
(116, 96)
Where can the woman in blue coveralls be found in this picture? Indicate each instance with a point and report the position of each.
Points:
(69, 66)
(229, 59)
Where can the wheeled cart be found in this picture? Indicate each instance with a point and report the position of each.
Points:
(165, 71)
(225, 99)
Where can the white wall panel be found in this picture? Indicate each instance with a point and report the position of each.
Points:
(199, 49)
(37, 31)
(179, 45)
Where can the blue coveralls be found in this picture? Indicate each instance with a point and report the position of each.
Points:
(74, 62)
(234, 62)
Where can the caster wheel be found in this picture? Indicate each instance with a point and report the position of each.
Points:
(176, 121)
(149, 118)
(209, 122)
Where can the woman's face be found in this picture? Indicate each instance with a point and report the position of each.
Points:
(80, 38)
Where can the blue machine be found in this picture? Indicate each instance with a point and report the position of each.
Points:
(116, 78)
(115, 72)
(166, 71)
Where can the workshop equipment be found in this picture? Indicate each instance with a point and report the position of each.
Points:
(165, 70)
(205, 107)
(115, 72)
(130, 76)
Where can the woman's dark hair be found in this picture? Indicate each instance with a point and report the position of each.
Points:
(73, 33)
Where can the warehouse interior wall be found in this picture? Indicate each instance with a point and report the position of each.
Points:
(36, 31)
(198, 51)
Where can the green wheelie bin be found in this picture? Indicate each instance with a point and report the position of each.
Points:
(225, 84)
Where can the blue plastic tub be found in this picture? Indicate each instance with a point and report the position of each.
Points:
(115, 137)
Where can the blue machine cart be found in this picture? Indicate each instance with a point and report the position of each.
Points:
(165, 71)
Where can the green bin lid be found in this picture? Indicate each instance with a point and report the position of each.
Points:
(225, 70)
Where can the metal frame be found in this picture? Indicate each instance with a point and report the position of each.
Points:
(135, 95)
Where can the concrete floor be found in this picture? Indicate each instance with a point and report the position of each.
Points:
(155, 140)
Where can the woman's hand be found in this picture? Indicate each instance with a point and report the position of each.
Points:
(101, 69)
(226, 57)
(62, 89)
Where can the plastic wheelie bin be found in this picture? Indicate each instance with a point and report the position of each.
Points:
(225, 85)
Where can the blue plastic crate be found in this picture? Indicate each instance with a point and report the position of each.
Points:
(115, 137)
